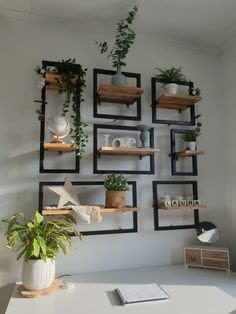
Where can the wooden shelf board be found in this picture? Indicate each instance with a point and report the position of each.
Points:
(59, 147)
(189, 153)
(49, 212)
(51, 78)
(176, 102)
(118, 94)
(182, 207)
(124, 151)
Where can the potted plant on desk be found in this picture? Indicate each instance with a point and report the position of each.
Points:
(116, 186)
(169, 78)
(38, 242)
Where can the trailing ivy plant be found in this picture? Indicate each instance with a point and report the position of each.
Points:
(124, 39)
(116, 182)
(38, 238)
(72, 82)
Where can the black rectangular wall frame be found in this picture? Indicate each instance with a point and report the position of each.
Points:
(157, 227)
(155, 80)
(96, 72)
(97, 232)
(42, 169)
(174, 172)
(119, 127)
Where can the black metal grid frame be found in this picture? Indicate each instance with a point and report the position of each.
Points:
(156, 209)
(96, 72)
(42, 169)
(174, 160)
(89, 183)
(119, 127)
(155, 120)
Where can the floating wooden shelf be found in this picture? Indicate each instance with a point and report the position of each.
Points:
(188, 153)
(59, 147)
(182, 207)
(124, 151)
(118, 94)
(176, 102)
(49, 212)
(52, 78)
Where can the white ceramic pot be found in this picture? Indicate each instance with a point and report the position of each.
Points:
(191, 145)
(171, 88)
(37, 274)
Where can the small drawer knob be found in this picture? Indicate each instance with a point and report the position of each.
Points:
(193, 258)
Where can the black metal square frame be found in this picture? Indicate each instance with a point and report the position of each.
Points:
(155, 80)
(89, 183)
(96, 72)
(119, 127)
(157, 226)
(174, 159)
(43, 102)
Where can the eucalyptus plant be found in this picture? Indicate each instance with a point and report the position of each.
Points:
(191, 135)
(124, 39)
(116, 182)
(38, 238)
(172, 75)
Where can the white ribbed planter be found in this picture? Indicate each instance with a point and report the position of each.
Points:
(37, 274)
(191, 145)
(171, 88)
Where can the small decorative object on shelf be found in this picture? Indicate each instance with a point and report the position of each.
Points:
(116, 186)
(123, 142)
(59, 128)
(144, 136)
(123, 41)
(39, 242)
(170, 78)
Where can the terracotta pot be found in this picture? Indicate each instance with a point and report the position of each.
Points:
(115, 199)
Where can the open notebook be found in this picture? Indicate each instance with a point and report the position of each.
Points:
(141, 293)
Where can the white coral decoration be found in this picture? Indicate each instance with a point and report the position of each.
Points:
(42, 82)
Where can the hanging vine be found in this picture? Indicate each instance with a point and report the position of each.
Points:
(72, 81)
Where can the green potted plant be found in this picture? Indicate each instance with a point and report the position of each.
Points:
(38, 242)
(69, 77)
(124, 39)
(116, 186)
(190, 137)
(169, 78)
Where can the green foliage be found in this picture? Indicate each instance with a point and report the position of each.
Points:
(191, 135)
(197, 91)
(171, 75)
(124, 39)
(116, 182)
(69, 70)
(39, 239)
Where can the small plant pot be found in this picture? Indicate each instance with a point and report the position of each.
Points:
(171, 88)
(37, 274)
(191, 145)
(119, 79)
(115, 199)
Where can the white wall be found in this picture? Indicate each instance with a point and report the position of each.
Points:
(24, 43)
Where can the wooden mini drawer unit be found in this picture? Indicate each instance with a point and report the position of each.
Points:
(207, 257)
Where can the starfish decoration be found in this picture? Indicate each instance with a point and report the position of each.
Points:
(68, 193)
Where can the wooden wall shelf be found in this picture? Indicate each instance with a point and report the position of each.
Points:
(118, 94)
(182, 207)
(176, 102)
(188, 153)
(49, 212)
(51, 78)
(59, 147)
(124, 151)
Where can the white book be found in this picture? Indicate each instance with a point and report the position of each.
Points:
(141, 293)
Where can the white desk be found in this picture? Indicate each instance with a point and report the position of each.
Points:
(191, 291)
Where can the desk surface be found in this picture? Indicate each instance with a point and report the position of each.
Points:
(191, 291)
